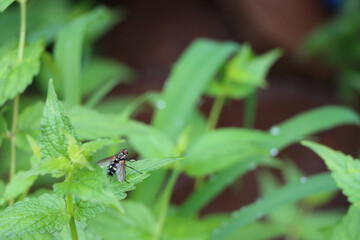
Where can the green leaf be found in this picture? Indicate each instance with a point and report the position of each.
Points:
(89, 148)
(288, 194)
(243, 74)
(86, 210)
(89, 186)
(4, 4)
(231, 145)
(100, 76)
(348, 228)
(29, 125)
(219, 182)
(68, 52)
(54, 125)
(344, 169)
(43, 214)
(137, 223)
(35, 149)
(187, 82)
(260, 231)
(21, 183)
(75, 151)
(316, 120)
(15, 76)
(148, 141)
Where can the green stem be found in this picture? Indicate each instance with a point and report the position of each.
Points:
(250, 110)
(164, 202)
(17, 98)
(215, 112)
(70, 211)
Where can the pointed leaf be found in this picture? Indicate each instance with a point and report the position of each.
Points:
(344, 169)
(348, 228)
(4, 4)
(86, 210)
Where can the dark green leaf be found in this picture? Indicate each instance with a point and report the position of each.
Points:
(344, 169)
(187, 82)
(4, 4)
(285, 195)
(15, 76)
(43, 214)
(219, 182)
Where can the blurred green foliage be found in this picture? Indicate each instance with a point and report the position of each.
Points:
(337, 45)
(55, 143)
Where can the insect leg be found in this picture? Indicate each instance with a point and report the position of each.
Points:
(133, 169)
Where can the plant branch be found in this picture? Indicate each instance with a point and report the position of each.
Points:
(70, 210)
(215, 112)
(250, 110)
(17, 98)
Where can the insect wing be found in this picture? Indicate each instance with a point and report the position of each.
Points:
(121, 173)
(106, 161)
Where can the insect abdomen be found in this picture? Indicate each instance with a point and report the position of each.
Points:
(112, 169)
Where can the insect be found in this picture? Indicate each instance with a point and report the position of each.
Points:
(116, 164)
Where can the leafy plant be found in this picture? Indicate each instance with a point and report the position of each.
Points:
(51, 145)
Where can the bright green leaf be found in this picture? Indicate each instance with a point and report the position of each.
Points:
(15, 76)
(43, 214)
(4, 4)
(89, 186)
(91, 147)
(344, 169)
(74, 151)
(348, 228)
(20, 184)
(288, 194)
(187, 82)
(230, 145)
(137, 223)
(54, 124)
(85, 210)
(316, 120)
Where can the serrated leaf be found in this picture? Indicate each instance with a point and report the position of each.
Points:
(344, 169)
(54, 124)
(21, 183)
(187, 82)
(15, 76)
(348, 228)
(89, 186)
(57, 167)
(288, 194)
(4, 4)
(43, 214)
(85, 210)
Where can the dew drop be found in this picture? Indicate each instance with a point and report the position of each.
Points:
(274, 152)
(259, 215)
(275, 130)
(303, 179)
(252, 166)
(161, 104)
(179, 122)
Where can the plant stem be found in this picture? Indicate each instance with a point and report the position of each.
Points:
(215, 112)
(164, 202)
(250, 110)
(17, 98)
(70, 210)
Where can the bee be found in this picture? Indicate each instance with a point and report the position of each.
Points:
(116, 164)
